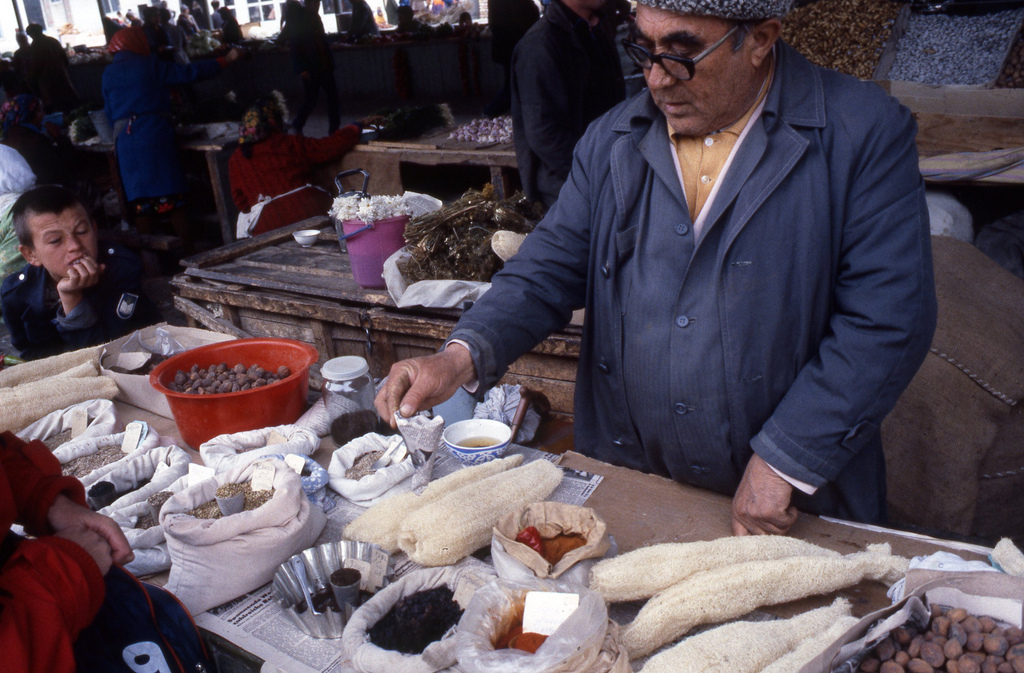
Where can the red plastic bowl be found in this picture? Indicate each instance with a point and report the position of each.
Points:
(203, 417)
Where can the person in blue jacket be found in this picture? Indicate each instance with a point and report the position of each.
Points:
(750, 240)
(72, 293)
(137, 102)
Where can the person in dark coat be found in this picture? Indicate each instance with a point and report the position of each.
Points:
(565, 74)
(363, 23)
(42, 145)
(749, 237)
(216, 20)
(72, 293)
(137, 102)
(48, 71)
(229, 26)
(509, 20)
(312, 60)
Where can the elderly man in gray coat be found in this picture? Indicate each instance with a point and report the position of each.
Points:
(750, 239)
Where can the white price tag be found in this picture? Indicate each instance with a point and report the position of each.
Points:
(296, 462)
(132, 361)
(198, 473)
(133, 434)
(466, 587)
(263, 476)
(79, 421)
(545, 611)
(276, 437)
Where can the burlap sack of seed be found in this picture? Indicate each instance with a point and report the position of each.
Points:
(100, 416)
(89, 446)
(550, 519)
(586, 642)
(148, 544)
(440, 655)
(953, 444)
(227, 452)
(140, 474)
(216, 560)
(378, 484)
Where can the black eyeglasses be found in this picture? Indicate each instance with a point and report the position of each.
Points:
(680, 67)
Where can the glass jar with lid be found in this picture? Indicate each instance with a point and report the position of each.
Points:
(348, 394)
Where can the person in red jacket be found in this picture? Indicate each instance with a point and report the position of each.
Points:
(270, 164)
(51, 586)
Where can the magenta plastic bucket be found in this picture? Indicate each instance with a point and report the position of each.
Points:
(368, 249)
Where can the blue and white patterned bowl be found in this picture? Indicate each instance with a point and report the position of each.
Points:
(457, 435)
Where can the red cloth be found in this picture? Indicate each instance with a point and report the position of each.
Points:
(50, 588)
(280, 164)
(129, 39)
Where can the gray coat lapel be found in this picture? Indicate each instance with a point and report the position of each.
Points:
(644, 122)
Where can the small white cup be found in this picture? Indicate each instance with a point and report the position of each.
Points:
(306, 237)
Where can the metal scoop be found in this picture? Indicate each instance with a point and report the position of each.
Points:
(299, 568)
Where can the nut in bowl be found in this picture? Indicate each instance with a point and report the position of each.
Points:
(477, 440)
(306, 237)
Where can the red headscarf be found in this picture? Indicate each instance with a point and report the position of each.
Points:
(129, 39)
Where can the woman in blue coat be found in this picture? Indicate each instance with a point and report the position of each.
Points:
(137, 101)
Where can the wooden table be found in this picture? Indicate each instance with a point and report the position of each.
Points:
(269, 286)
(213, 151)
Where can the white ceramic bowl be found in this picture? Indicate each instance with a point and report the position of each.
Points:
(306, 237)
(459, 438)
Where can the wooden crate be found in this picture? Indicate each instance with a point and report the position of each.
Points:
(269, 286)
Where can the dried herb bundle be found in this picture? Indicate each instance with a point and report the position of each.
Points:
(454, 243)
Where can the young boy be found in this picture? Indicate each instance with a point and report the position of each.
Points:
(71, 294)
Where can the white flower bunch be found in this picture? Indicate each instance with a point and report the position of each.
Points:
(369, 208)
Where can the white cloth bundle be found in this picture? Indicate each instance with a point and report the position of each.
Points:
(216, 560)
(101, 420)
(149, 544)
(227, 452)
(383, 483)
(501, 403)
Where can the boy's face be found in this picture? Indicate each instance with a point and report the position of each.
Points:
(60, 241)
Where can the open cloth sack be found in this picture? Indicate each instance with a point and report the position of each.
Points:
(387, 481)
(226, 452)
(517, 561)
(501, 403)
(439, 655)
(216, 560)
(587, 641)
(149, 544)
(429, 293)
(85, 446)
(101, 419)
(141, 474)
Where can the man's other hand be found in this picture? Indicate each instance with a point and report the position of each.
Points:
(421, 383)
(761, 504)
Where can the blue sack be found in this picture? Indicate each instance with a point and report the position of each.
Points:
(141, 628)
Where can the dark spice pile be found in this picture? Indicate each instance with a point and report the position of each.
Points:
(454, 243)
(223, 379)
(417, 620)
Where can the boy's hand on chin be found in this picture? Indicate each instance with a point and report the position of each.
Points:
(83, 274)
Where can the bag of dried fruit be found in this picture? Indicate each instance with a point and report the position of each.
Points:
(352, 474)
(227, 452)
(490, 638)
(98, 417)
(214, 560)
(140, 523)
(409, 626)
(549, 540)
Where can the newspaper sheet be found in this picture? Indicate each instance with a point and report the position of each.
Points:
(256, 624)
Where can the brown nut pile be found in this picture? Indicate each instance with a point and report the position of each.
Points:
(954, 642)
(1012, 76)
(223, 379)
(844, 35)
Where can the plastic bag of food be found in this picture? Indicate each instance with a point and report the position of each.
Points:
(374, 485)
(439, 655)
(228, 452)
(55, 428)
(586, 641)
(217, 560)
(570, 540)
